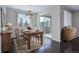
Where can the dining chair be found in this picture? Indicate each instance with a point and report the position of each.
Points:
(21, 40)
(38, 39)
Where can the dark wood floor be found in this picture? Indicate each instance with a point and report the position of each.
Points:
(56, 47)
(71, 46)
(63, 47)
(52, 47)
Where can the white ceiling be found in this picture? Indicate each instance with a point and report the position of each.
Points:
(40, 8)
(73, 7)
(34, 8)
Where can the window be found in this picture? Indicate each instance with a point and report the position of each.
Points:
(45, 21)
(67, 18)
(23, 20)
(41, 21)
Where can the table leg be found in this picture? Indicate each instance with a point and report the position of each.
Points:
(29, 38)
(41, 39)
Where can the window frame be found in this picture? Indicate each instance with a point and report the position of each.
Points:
(44, 21)
(28, 22)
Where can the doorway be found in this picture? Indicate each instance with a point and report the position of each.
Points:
(46, 25)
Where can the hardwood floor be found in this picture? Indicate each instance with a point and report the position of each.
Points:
(56, 47)
(63, 47)
(52, 47)
(71, 46)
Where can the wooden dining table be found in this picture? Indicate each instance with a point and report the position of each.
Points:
(31, 33)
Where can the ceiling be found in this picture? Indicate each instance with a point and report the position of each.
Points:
(73, 7)
(40, 8)
(34, 8)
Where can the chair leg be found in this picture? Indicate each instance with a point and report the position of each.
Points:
(38, 40)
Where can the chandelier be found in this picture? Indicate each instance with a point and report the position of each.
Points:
(29, 12)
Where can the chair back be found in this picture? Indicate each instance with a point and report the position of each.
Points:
(16, 33)
(17, 38)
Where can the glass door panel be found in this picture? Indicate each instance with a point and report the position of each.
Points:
(45, 23)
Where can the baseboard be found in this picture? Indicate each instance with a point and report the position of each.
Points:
(77, 35)
(56, 40)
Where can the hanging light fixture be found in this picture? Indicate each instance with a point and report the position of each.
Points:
(29, 12)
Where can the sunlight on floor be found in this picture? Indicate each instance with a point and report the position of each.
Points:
(48, 36)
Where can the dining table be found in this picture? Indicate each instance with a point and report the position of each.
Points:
(31, 33)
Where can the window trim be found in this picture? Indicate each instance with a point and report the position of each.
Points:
(18, 20)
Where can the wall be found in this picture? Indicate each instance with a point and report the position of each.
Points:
(67, 18)
(57, 14)
(3, 20)
(75, 21)
(0, 19)
(54, 12)
(61, 17)
(0, 30)
(4, 15)
(12, 16)
(34, 20)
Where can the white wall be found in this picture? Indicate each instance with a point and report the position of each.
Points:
(34, 20)
(12, 16)
(67, 18)
(0, 30)
(54, 12)
(55, 23)
(0, 20)
(75, 21)
(3, 19)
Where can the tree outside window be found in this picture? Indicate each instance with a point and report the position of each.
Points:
(23, 20)
(45, 21)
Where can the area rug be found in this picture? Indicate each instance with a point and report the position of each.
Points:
(34, 45)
